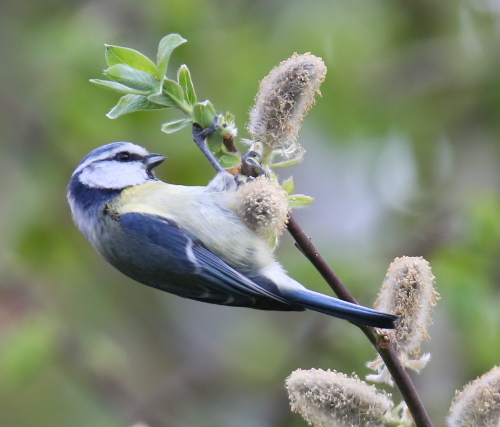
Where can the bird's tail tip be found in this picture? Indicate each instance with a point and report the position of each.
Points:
(344, 310)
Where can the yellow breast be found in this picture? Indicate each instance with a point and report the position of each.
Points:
(208, 215)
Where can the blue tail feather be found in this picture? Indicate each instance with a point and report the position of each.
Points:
(341, 309)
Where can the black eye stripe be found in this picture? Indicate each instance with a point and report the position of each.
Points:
(125, 156)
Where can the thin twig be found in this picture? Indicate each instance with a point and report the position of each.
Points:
(383, 346)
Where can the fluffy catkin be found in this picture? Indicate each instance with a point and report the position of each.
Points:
(330, 398)
(408, 291)
(478, 404)
(285, 96)
(263, 206)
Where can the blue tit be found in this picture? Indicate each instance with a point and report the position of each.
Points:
(187, 240)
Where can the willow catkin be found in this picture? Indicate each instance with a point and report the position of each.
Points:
(478, 404)
(263, 206)
(330, 398)
(285, 96)
(408, 291)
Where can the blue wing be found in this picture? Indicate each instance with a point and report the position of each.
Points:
(178, 263)
(155, 251)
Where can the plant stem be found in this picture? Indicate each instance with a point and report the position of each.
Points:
(384, 348)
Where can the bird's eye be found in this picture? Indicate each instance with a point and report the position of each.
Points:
(123, 156)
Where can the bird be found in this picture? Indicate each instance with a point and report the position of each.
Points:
(187, 240)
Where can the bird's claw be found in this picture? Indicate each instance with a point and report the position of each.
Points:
(253, 159)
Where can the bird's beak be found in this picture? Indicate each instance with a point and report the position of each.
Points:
(154, 160)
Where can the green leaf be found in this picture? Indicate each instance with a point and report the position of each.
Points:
(116, 87)
(215, 143)
(165, 49)
(131, 77)
(124, 55)
(229, 160)
(204, 114)
(175, 125)
(286, 163)
(299, 200)
(131, 103)
(173, 90)
(184, 79)
(162, 99)
(229, 119)
(289, 185)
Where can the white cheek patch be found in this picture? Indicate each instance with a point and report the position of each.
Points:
(113, 175)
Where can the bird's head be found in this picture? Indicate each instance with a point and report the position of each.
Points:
(101, 176)
(117, 166)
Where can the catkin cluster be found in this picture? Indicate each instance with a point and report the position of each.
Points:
(408, 291)
(263, 206)
(285, 96)
(330, 398)
(478, 404)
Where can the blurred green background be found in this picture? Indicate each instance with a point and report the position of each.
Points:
(403, 159)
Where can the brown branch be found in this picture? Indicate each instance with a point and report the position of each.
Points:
(228, 142)
(383, 346)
